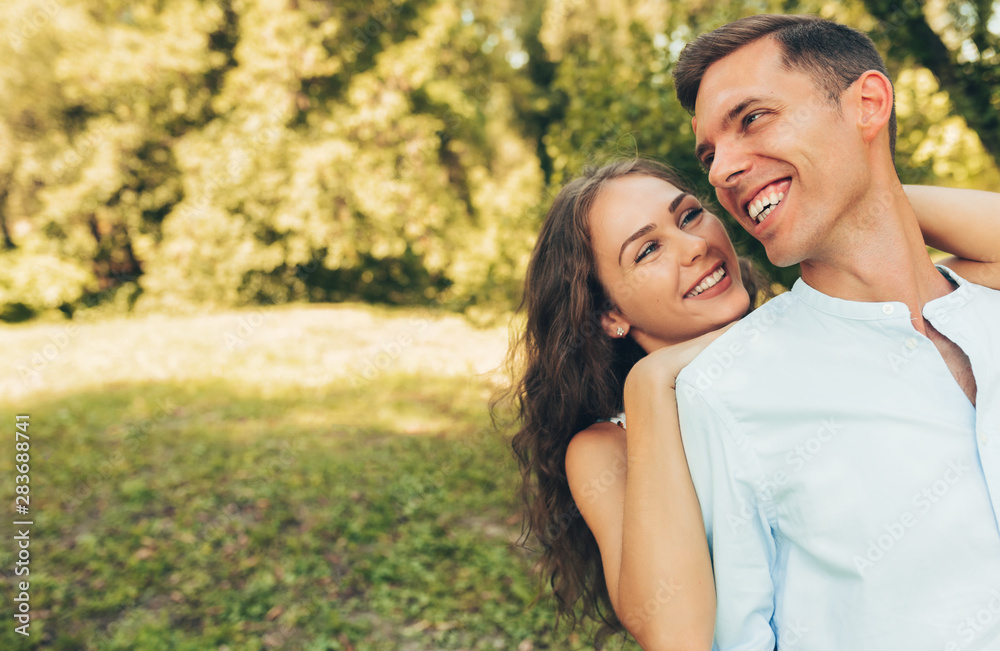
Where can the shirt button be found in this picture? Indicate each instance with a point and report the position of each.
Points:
(888, 309)
(983, 438)
(911, 343)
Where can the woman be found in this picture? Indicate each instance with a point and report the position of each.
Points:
(609, 314)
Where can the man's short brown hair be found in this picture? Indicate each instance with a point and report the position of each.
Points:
(835, 56)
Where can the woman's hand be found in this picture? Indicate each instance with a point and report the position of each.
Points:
(663, 365)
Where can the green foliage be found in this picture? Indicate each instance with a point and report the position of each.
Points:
(186, 153)
(960, 44)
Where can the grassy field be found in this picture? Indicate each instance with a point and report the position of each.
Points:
(288, 478)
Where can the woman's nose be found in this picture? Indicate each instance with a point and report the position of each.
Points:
(691, 247)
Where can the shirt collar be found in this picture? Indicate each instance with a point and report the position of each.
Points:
(868, 310)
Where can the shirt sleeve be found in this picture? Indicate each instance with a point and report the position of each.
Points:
(727, 477)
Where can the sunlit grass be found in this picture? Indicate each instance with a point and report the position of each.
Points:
(268, 349)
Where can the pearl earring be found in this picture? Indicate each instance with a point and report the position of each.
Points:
(621, 331)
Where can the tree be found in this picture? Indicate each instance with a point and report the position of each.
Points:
(97, 97)
(963, 53)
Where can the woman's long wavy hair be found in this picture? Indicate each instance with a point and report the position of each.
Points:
(568, 373)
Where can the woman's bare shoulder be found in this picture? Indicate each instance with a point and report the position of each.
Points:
(597, 447)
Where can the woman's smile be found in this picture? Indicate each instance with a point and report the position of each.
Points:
(711, 284)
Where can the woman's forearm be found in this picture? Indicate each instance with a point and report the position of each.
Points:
(666, 591)
(965, 223)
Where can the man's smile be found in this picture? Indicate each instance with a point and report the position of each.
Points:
(765, 200)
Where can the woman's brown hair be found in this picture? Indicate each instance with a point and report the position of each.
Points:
(568, 375)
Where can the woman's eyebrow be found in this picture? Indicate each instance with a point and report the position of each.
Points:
(677, 201)
(645, 230)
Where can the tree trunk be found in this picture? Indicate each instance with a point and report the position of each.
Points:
(8, 244)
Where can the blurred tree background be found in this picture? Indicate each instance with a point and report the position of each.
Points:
(169, 154)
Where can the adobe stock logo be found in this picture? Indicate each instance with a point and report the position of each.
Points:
(719, 359)
(922, 502)
(389, 352)
(972, 626)
(636, 620)
(796, 459)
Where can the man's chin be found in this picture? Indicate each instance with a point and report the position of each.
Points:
(780, 257)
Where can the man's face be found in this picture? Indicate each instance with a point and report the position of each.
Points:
(783, 159)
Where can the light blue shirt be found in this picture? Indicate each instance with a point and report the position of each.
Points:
(850, 490)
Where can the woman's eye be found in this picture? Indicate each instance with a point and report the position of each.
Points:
(648, 248)
(691, 215)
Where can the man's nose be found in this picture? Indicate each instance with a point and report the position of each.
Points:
(728, 164)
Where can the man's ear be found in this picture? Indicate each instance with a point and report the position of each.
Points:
(874, 91)
(614, 324)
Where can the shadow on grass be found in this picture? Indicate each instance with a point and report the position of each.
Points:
(173, 516)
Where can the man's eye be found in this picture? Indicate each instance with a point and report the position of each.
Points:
(752, 118)
(646, 250)
(707, 161)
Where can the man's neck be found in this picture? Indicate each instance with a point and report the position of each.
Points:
(877, 254)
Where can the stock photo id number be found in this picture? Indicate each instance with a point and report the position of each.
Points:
(22, 525)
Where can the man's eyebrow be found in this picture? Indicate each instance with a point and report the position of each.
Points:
(645, 230)
(727, 121)
(737, 110)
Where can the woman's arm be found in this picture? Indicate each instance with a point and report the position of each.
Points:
(638, 500)
(635, 492)
(965, 223)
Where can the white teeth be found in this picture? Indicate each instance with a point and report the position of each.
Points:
(761, 208)
(709, 281)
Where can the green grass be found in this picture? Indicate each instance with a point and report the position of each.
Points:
(217, 510)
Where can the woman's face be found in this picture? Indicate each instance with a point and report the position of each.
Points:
(667, 264)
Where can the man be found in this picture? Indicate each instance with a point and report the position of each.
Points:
(844, 439)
